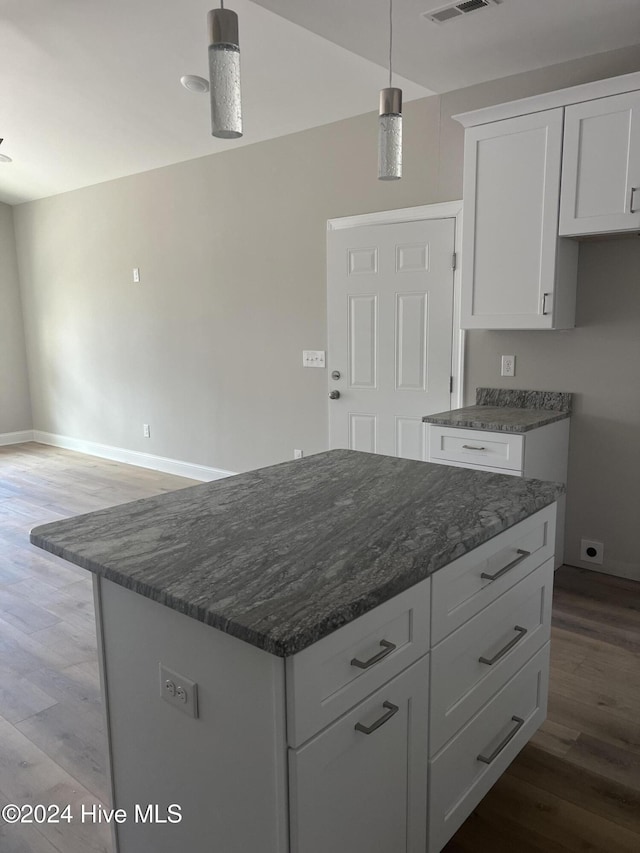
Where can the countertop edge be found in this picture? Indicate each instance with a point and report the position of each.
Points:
(494, 426)
(331, 622)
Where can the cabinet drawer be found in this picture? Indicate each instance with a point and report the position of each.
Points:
(459, 590)
(473, 663)
(467, 768)
(471, 446)
(352, 790)
(331, 676)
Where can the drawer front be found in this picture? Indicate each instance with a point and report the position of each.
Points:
(477, 660)
(475, 447)
(465, 770)
(361, 784)
(331, 676)
(471, 583)
(515, 472)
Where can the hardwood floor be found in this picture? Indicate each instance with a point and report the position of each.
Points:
(52, 747)
(575, 786)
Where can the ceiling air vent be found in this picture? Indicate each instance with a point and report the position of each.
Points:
(457, 10)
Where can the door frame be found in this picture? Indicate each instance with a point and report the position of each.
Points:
(443, 210)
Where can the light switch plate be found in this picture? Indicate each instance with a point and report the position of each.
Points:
(313, 358)
(179, 691)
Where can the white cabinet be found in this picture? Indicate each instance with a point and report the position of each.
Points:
(361, 784)
(542, 453)
(333, 749)
(490, 629)
(464, 771)
(601, 166)
(331, 676)
(516, 272)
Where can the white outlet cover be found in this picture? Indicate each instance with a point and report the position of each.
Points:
(508, 365)
(598, 547)
(179, 691)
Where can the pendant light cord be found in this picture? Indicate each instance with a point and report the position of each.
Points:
(390, 36)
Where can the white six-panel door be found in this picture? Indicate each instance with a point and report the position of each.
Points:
(390, 323)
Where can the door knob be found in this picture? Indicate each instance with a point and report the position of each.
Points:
(334, 395)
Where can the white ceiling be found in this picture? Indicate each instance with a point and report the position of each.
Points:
(89, 90)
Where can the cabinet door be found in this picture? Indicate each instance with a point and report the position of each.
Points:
(357, 792)
(601, 166)
(511, 256)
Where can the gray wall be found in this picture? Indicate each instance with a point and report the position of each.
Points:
(207, 348)
(15, 406)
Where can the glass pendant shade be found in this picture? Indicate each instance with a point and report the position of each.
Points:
(390, 135)
(224, 74)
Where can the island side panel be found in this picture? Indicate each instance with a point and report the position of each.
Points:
(227, 767)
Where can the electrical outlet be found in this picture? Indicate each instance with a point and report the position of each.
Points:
(508, 365)
(298, 454)
(146, 431)
(179, 691)
(591, 552)
(136, 275)
(313, 358)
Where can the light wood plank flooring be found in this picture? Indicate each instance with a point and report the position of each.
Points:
(575, 787)
(52, 747)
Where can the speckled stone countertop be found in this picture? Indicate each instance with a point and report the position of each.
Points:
(507, 410)
(282, 556)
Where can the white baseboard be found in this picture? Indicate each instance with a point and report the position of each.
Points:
(612, 567)
(16, 437)
(131, 457)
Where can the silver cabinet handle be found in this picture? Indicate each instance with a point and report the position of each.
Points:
(508, 567)
(393, 709)
(632, 207)
(507, 648)
(471, 447)
(544, 302)
(387, 648)
(488, 759)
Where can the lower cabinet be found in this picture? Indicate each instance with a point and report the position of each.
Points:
(380, 738)
(464, 771)
(414, 744)
(542, 453)
(361, 784)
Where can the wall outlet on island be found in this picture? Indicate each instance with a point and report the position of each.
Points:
(508, 365)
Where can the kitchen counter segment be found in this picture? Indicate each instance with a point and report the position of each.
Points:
(282, 556)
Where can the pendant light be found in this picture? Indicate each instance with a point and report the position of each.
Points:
(390, 123)
(224, 73)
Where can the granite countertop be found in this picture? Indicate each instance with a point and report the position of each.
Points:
(282, 556)
(506, 410)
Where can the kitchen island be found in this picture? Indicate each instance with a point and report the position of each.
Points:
(338, 631)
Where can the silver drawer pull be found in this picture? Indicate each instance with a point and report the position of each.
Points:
(508, 567)
(471, 447)
(387, 648)
(488, 759)
(632, 207)
(393, 709)
(507, 648)
(545, 296)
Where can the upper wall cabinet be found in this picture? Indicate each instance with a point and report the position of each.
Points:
(601, 166)
(516, 272)
(538, 172)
